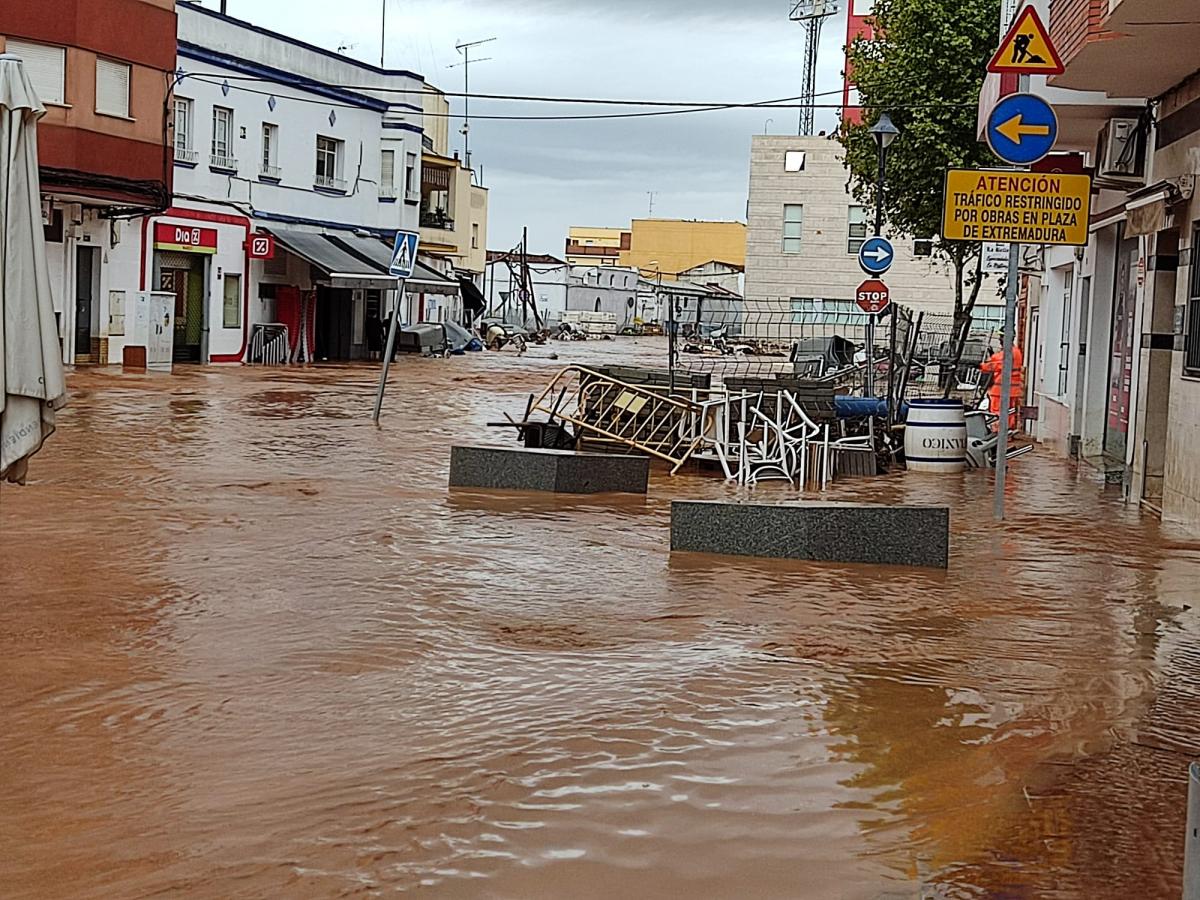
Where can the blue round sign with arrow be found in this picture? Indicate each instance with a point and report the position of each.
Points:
(1022, 129)
(876, 255)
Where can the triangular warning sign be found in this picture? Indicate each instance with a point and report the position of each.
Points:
(1027, 48)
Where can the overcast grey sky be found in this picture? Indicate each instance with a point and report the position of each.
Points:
(550, 175)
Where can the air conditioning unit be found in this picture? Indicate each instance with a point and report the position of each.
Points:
(1121, 152)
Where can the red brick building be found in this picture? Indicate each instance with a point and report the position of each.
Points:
(103, 69)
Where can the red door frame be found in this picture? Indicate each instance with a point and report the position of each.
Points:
(199, 215)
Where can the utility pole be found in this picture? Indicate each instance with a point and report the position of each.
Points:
(465, 50)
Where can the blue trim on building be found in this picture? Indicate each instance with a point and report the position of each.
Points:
(267, 179)
(404, 126)
(278, 76)
(387, 199)
(221, 170)
(276, 36)
(185, 165)
(330, 192)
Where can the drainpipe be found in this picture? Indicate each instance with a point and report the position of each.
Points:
(1191, 851)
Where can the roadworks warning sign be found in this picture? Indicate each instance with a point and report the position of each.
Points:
(1016, 207)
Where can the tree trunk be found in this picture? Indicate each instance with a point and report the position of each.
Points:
(962, 319)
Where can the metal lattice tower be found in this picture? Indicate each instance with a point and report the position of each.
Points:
(812, 15)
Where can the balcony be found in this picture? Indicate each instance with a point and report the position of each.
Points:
(223, 163)
(387, 192)
(1107, 45)
(436, 218)
(412, 196)
(186, 156)
(326, 183)
(270, 173)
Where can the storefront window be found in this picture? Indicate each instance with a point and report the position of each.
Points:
(232, 317)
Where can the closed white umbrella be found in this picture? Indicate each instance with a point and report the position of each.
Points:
(31, 372)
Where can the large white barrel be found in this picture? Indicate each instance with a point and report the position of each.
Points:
(935, 439)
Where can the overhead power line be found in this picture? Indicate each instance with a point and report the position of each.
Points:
(676, 107)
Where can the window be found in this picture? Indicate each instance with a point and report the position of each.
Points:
(183, 130)
(222, 138)
(793, 161)
(329, 164)
(270, 151)
(112, 88)
(232, 316)
(474, 235)
(1191, 355)
(387, 173)
(1064, 345)
(410, 177)
(46, 67)
(793, 227)
(857, 231)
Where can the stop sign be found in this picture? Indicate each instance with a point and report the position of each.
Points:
(872, 296)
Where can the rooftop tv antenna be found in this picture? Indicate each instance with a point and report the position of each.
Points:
(812, 15)
(465, 50)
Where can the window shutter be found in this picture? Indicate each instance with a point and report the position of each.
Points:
(387, 169)
(112, 88)
(45, 66)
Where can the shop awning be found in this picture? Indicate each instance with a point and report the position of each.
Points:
(423, 278)
(472, 297)
(333, 256)
(1149, 208)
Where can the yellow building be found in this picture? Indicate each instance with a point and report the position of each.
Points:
(596, 246)
(669, 246)
(672, 246)
(453, 208)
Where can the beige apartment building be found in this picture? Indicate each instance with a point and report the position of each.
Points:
(454, 206)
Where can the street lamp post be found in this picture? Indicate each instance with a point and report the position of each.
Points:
(884, 132)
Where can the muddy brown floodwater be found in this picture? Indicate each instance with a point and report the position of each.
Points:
(251, 646)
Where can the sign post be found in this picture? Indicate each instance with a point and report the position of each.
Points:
(404, 260)
(1017, 206)
(875, 257)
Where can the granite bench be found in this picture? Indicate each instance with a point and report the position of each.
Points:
(822, 532)
(558, 471)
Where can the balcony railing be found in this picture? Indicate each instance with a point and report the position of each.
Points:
(226, 163)
(186, 155)
(412, 197)
(387, 192)
(329, 184)
(437, 219)
(273, 172)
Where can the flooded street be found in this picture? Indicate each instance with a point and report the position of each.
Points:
(251, 646)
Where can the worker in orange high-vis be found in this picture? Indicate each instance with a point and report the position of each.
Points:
(994, 366)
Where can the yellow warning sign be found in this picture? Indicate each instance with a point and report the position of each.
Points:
(1027, 48)
(1016, 207)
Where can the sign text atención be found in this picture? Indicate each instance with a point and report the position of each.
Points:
(1016, 207)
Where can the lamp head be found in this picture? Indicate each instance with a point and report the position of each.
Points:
(884, 131)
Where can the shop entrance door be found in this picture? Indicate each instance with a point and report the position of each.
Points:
(183, 276)
(1120, 362)
(86, 278)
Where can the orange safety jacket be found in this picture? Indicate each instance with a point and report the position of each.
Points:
(994, 366)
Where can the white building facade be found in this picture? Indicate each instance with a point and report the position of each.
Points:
(315, 154)
(805, 229)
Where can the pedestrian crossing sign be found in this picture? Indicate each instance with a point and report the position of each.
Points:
(404, 254)
(1027, 48)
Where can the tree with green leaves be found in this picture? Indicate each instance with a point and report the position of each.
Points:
(925, 68)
